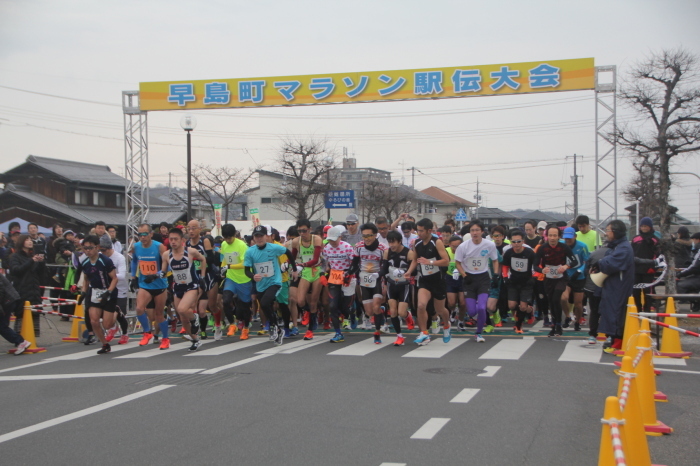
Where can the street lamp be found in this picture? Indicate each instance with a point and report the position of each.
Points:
(188, 123)
(328, 162)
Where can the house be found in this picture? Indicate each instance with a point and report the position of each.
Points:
(492, 215)
(75, 194)
(450, 203)
(538, 216)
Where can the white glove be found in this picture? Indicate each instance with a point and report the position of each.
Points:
(661, 262)
(455, 274)
(284, 267)
(397, 273)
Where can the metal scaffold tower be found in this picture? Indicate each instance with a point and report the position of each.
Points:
(605, 144)
(136, 163)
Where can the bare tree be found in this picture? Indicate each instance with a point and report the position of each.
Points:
(663, 90)
(381, 199)
(220, 183)
(307, 166)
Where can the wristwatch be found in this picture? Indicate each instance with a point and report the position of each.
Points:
(432, 262)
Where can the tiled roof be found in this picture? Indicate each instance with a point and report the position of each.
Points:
(447, 198)
(78, 171)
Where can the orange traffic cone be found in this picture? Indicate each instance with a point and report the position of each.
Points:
(27, 331)
(606, 457)
(631, 326)
(646, 384)
(671, 339)
(75, 327)
(635, 439)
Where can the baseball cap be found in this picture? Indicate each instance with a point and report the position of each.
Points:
(542, 225)
(352, 218)
(334, 233)
(569, 233)
(68, 232)
(260, 230)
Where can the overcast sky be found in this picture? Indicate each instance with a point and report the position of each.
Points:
(93, 51)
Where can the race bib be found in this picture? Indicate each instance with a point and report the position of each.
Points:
(97, 295)
(477, 264)
(553, 272)
(368, 280)
(401, 278)
(232, 258)
(182, 277)
(427, 269)
(336, 277)
(519, 265)
(264, 268)
(148, 267)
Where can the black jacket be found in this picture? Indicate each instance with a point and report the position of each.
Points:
(27, 275)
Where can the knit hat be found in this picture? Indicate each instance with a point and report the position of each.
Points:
(105, 242)
(646, 221)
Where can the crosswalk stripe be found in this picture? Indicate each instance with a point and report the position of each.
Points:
(465, 395)
(436, 349)
(155, 351)
(430, 428)
(289, 348)
(509, 349)
(580, 351)
(227, 348)
(93, 352)
(358, 349)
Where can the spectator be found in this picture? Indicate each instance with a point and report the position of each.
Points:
(14, 228)
(682, 248)
(116, 245)
(9, 303)
(39, 242)
(26, 272)
(645, 246)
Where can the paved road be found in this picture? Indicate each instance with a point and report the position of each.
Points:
(511, 400)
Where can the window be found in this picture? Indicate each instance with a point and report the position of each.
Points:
(81, 197)
(266, 200)
(119, 200)
(98, 198)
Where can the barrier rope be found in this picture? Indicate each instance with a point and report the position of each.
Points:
(57, 314)
(672, 327)
(639, 356)
(53, 288)
(626, 382)
(616, 440)
(72, 301)
(661, 314)
(53, 304)
(662, 265)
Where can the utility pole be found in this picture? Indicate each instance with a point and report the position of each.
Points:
(170, 183)
(413, 176)
(477, 197)
(574, 179)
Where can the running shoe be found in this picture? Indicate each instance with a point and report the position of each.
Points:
(609, 350)
(105, 349)
(231, 330)
(547, 322)
(377, 338)
(305, 319)
(592, 340)
(187, 336)
(273, 333)
(280, 336)
(558, 330)
(244, 334)
(519, 331)
(479, 338)
(583, 321)
(287, 332)
(165, 343)
(294, 332)
(422, 340)
(461, 327)
(366, 324)
(567, 322)
(489, 328)
(22, 346)
(124, 339)
(173, 324)
(309, 335)
(203, 335)
(182, 330)
(446, 336)
(155, 339)
(327, 325)
(195, 345)
(385, 328)
(353, 320)
(346, 324)
(531, 320)
(265, 330)
(110, 333)
(551, 332)
(577, 327)
(470, 323)
(147, 339)
(399, 341)
(499, 323)
(410, 323)
(434, 329)
(90, 339)
(337, 338)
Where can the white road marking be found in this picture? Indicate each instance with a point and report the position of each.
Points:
(156, 351)
(45, 361)
(93, 352)
(81, 413)
(436, 349)
(88, 375)
(465, 395)
(509, 349)
(430, 428)
(289, 348)
(490, 371)
(669, 362)
(235, 364)
(580, 351)
(227, 348)
(359, 349)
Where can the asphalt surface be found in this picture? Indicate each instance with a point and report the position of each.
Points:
(302, 405)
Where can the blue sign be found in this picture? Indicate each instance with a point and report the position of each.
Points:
(461, 216)
(340, 199)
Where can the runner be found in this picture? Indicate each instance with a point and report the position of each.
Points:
(146, 262)
(397, 260)
(553, 259)
(282, 297)
(367, 261)
(99, 289)
(186, 282)
(472, 261)
(383, 229)
(431, 260)
(237, 285)
(293, 286)
(341, 285)
(517, 266)
(531, 238)
(586, 234)
(352, 235)
(308, 247)
(576, 280)
(122, 287)
(453, 281)
(210, 284)
(262, 265)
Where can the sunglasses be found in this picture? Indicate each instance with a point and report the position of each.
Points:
(368, 236)
(351, 223)
(144, 234)
(88, 248)
(516, 241)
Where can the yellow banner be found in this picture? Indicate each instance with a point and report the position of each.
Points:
(375, 86)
